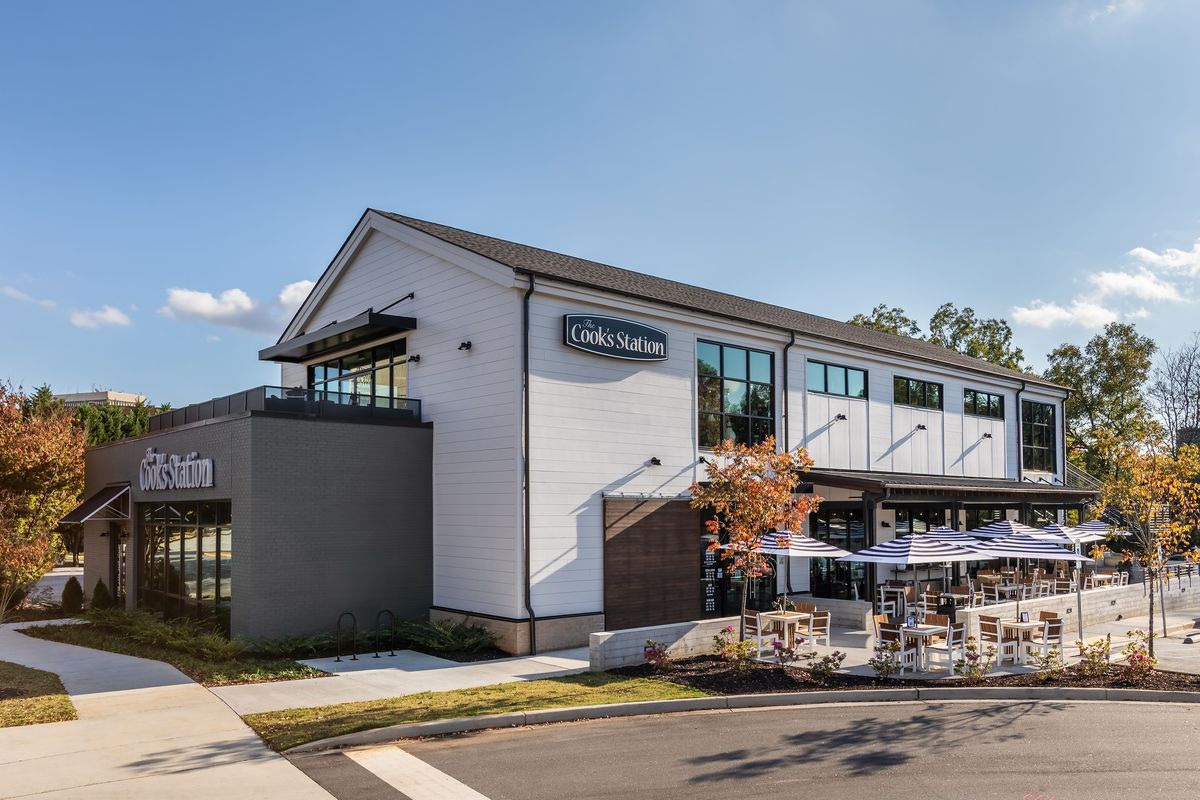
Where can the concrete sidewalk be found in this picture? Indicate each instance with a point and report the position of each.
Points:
(145, 730)
(407, 672)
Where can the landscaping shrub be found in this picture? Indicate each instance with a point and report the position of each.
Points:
(740, 654)
(974, 666)
(445, 636)
(1049, 663)
(822, 669)
(72, 596)
(101, 597)
(1094, 657)
(657, 656)
(1138, 661)
(886, 661)
(439, 638)
(196, 638)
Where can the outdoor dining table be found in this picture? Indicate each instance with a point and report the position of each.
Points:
(957, 599)
(1022, 628)
(788, 620)
(922, 633)
(1007, 589)
(1102, 578)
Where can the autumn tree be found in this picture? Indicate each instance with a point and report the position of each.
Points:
(889, 319)
(749, 490)
(1106, 413)
(1155, 495)
(41, 476)
(1174, 390)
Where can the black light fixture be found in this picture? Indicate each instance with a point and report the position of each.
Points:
(987, 436)
(840, 417)
(414, 359)
(921, 426)
(465, 345)
(655, 461)
(885, 524)
(703, 460)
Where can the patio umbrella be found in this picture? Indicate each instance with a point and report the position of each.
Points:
(912, 550)
(790, 543)
(1022, 545)
(1004, 527)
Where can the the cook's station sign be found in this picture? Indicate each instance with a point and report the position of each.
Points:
(614, 337)
(169, 471)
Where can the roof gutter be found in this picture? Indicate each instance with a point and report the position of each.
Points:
(1020, 442)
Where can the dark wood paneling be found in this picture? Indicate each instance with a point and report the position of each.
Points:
(652, 562)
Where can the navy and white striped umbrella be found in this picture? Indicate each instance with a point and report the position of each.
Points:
(1004, 527)
(915, 550)
(1071, 536)
(1098, 527)
(790, 543)
(1022, 545)
(1055, 533)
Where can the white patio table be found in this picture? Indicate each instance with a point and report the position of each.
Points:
(922, 633)
(789, 621)
(1021, 629)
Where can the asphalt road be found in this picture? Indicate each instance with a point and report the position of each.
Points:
(964, 751)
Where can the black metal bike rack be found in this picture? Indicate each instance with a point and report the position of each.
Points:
(353, 636)
(391, 635)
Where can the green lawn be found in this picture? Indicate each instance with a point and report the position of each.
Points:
(210, 672)
(297, 726)
(31, 696)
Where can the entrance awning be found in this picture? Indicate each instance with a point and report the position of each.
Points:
(937, 488)
(357, 331)
(110, 504)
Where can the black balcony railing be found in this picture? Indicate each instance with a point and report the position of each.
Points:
(295, 401)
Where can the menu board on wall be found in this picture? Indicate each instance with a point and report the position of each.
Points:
(710, 576)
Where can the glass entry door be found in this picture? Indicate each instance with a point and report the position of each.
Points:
(846, 580)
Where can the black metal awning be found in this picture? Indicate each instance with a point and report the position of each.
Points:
(110, 504)
(904, 486)
(367, 327)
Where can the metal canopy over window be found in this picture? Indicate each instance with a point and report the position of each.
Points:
(110, 504)
(357, 331)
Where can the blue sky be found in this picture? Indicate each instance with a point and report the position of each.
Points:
(1037, 161)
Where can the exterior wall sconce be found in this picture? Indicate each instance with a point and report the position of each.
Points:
(921, 426)
(465, 346)
(416, 359)
(839, 417)
(885, 524)
(703, 460)
(655, 461)
(987, 436)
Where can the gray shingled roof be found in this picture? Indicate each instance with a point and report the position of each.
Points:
(556, 266)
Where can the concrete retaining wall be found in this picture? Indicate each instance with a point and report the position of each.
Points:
(623, 648)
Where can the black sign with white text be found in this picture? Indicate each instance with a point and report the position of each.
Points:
(614, 337)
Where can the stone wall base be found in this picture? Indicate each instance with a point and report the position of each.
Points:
(552, 634)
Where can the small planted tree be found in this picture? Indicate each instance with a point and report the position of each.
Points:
(72, 596)
(102, 598)
(1156, 496)
(749, 490)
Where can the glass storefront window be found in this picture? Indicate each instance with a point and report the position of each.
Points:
(842, 528)
(186, 553)
(373, 376)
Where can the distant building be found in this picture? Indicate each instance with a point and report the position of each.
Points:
(104, 398)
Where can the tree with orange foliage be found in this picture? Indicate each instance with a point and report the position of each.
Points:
(749, 489)
(1156, 496)
(41, 476)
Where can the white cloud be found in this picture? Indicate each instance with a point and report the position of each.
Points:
(1171, 259)
(103, 316)
(235, 308)
(1116, 9)
(1040, 314)
(14, 293)
(1141, 313)
(1144, 285)
(212, 338)
(292, 295)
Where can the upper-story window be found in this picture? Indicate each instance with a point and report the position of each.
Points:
(983, 404)
(1038, 437)
(375, 376)
(736, 394)
(832, 379)
(920, 394)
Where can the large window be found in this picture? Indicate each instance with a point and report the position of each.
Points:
(843, 528)
(920, 394)
(978, 517)
(983, 404)
(376, 376)
(832, 379)
(736, 394)
(1038, 438)
(918, 520)
(186, 557)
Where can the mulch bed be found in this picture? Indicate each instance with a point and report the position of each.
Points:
(709, 674)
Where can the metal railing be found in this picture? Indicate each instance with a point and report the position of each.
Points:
(296, 401)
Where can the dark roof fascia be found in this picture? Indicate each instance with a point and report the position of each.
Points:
(324, 272)
(385, 323)
(1002, 373)
(892, 483)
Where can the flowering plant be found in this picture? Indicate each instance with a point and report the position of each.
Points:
(1094, 657)
(1049, 663)
(737, 652)
(822, 669)
(1138, 661)
(785, 655)
(782, 603)
(657, 656)
(975, 664)
(886, 661)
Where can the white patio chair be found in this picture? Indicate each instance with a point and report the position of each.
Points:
(818, 628)
(907, 656)
(990, 633)
(1051, 635)
(952, 649)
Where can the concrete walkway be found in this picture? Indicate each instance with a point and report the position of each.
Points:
(52, 582)
(407, 672)
(144, 731)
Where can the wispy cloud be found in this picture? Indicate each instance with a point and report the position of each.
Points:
(1041, 314)
(1116, 9)
(1186, 262)
(105, 316)
(234, 308)
(13, 293)
(1143, 284)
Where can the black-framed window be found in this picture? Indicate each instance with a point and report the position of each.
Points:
(916, 393)
(186, 558)
(918, 520)
(735, 397)
(978, 517)
(983, 404)
(829, 577)
(1039, 439)
(375, 376)
(835, 379)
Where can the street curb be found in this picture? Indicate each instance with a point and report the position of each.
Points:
(743, 701)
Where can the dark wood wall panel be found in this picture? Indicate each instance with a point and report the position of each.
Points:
(652, 562)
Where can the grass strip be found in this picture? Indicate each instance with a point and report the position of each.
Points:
(31, 697)
(296, 726)
(241, 669)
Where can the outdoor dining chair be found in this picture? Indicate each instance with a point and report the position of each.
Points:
(756, 632)
(952, 649)
(990, 633)
(907, 655)
(941, 620)
(818, 628)
(1050, 636)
